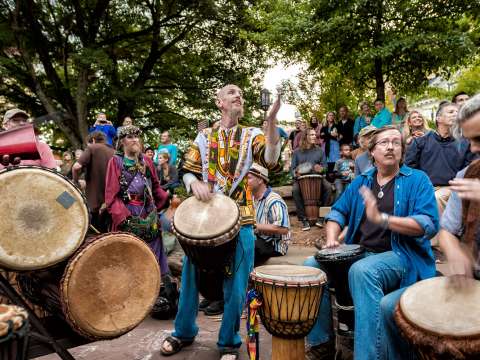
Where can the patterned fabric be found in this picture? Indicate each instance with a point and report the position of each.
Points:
(222, 157)
(254, 301)
(271, 209)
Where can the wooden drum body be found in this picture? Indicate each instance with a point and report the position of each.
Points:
(291, 301)
(441, 320)
(311, 188)
(208, 233)
(107, 288)
(43, 218)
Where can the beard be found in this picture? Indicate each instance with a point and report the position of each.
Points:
(236, 112)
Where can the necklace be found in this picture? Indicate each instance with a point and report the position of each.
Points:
(380, 193)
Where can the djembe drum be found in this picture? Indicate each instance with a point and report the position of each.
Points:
(291, 301)
(14, 329)
(43, 218)
(208, 233)
(311, 188)
(337, 262)
(441, 320)
(107, 288)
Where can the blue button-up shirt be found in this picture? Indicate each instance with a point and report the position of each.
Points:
(414, 197)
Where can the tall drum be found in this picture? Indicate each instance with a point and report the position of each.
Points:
(441, 320)
(337, 262)
(43, 218)
(108, 287)
(291, 301)
(208, 233)
(311, 188)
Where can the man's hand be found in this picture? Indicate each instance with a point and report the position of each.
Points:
(331, 243)
(459, 262)
(318, 168)
(418, 133)
(201, 190)
(468, 189)
(371, 208)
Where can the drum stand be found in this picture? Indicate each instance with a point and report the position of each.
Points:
(42, 335)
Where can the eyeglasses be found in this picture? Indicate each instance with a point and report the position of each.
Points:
(384, 143)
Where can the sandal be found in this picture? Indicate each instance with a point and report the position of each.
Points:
(229, 352)
(176, 345)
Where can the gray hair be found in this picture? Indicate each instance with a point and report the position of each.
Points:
(469, 109)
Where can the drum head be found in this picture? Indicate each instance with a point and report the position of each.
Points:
(289, 274)
(437, 306)
(43, 218)
(340, 252)
(197, 219)
(110, 286)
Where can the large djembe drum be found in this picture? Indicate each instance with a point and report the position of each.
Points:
(311, 188)
(441, 320)
(291, 301)
(43, 218)
(337, 262)
(107, 288)
(208, 233)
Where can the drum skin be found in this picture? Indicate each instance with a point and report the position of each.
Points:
(311, 188)
(110, 285)
(441, 319)
(291, 298)
(43, 218)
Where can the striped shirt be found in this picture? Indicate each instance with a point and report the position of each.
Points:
(271, 209)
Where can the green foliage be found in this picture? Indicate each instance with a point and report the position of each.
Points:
(469, 80)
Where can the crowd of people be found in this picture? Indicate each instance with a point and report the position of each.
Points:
(391, 181)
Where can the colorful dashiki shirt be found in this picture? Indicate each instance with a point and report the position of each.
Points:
(222, 157)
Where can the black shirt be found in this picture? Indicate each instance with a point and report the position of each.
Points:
(346, 130)
(372, 236)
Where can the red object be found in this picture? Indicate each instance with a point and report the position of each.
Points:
(19, 142)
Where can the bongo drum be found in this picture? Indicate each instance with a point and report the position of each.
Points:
(441, 320)
(14, 329)
(291, 301)
(337, 262)
(311, 188)
(43, 218)
(107, 288)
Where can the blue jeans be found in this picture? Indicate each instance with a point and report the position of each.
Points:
(234, 293)
(323, 329)
(376, 334)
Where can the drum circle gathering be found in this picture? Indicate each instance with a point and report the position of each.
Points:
(89, 245)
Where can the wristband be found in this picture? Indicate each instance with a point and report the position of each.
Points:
(384, 223)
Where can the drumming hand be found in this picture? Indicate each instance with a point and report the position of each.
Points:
(468, 189)
(331, 243)
(317, 168)
(371, 208)
(201, 190)
(459, 262)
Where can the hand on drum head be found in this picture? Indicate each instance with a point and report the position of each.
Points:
(201, 191)
(331, 243)
(5, 160)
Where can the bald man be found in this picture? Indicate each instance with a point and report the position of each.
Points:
(224, 171)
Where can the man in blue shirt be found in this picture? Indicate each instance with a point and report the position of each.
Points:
(105, 126)
(391, 211)
(168, 147)
(383, 116)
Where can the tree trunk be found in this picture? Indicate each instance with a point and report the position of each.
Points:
(81, 102)
(379, 82)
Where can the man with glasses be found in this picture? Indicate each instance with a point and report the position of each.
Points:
(391, 211)
(14, 118)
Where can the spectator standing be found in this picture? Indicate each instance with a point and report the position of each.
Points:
(272, 232)
(14, 118)
(294, 132)
(383, 116)
(316, 126)
(344, 170)
(416, 126)
(329, 134)
(344, 126)
(362, 120)
(166, 145)
(460, 98)
(149, 152)
(400, 115)
(105, 126)
(67, 163)
(93, 162)
(296, 141)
